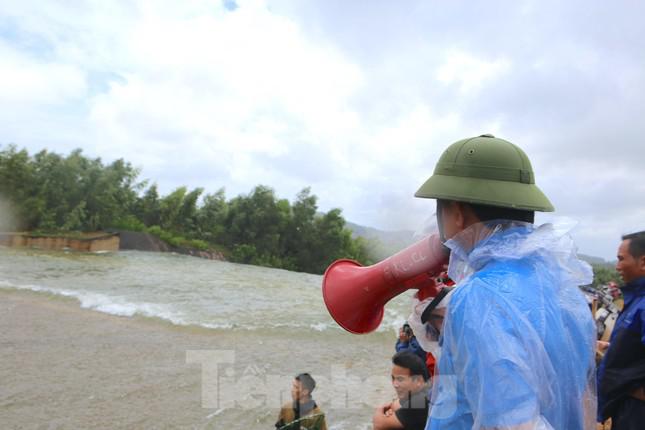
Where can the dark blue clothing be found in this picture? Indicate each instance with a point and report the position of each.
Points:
(622, 370)
(412, 346)
(518, 339)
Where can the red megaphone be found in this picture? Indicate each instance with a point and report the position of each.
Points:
(355, 296)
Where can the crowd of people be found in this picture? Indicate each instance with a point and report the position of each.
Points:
(513, 346)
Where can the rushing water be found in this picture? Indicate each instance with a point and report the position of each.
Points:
(245, 302)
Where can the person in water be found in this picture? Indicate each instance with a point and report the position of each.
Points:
(302, 413)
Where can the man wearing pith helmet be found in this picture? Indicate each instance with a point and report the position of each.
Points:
(518, 337)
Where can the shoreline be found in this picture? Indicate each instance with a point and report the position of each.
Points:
(112, 240)
(69, 367)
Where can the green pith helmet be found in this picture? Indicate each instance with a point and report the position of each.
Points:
(486, 170)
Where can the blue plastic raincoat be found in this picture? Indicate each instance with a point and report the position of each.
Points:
(518, 339)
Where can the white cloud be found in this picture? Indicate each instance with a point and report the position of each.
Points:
(25, 80)
(357, 102)
(220, 88)
(468, 72)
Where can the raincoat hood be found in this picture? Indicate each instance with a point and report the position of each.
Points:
(500, 240)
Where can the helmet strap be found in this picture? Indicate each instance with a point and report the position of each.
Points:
(442, 235)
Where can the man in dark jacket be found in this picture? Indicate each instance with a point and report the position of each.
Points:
(621, 375)
(303, 413)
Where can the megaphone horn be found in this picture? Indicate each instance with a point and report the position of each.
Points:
(355, 296)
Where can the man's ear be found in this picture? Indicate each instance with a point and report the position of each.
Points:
(420, 382)
(465, 216)
(641, 262)
(460, 215)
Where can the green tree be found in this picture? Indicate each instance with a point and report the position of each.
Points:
(169, 209)
(187, 216)
(211, 216)
(333, 241)
(70, 192)
(57, 187)
(110, 193)
(603, 275)
(148, 207)
(48, 191)
(258, 220)
(18, 189)
(301, 231)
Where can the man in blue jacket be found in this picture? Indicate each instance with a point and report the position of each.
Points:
(518, 338)
(408, 342)
(621, 375)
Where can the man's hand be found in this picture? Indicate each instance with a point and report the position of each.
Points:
(384, 417)
(403, 337)
(601, 346)
(386, 409)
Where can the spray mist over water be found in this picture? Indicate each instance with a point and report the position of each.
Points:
(428, 227)
(8, 220)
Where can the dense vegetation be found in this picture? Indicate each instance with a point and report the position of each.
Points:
(603, 274)
(53, 193)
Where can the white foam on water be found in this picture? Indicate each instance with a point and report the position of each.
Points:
(320, 326)
(217, 326)
(121, 307)
(118, 306)
(124, 306)
(37, 288)
(392, 320)
(6, 284)
(214, 414)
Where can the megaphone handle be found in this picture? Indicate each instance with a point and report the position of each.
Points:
(429, 289)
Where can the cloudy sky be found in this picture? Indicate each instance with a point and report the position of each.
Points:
(356, 99)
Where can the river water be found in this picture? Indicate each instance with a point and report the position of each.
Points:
(278, 315)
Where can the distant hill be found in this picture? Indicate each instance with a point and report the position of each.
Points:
(382, 243)
(596, 260)
(385, 243)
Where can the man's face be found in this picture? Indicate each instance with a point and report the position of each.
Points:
(628, 267)
(403, 383)
(297, 391)
(448, 218)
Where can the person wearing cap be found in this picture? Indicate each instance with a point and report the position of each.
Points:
(621, 374)
(517, 346)
(303, 412)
